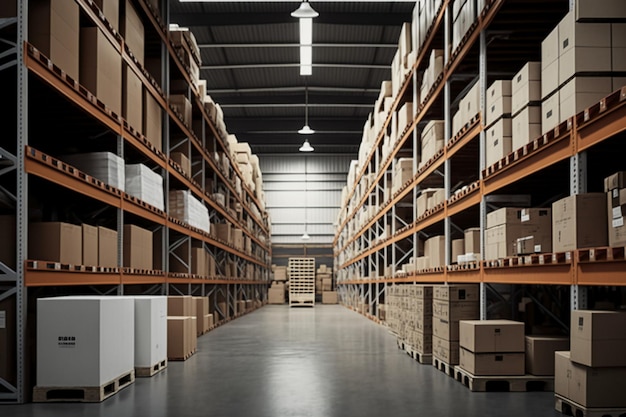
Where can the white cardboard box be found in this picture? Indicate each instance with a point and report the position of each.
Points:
(498, 139)
(580, 93)
(498, 101)
(526, 126)
(550, 114)
(150, 330)
(550, 63)
(526, 86)
(84, 341)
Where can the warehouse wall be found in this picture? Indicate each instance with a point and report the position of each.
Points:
(303, 189)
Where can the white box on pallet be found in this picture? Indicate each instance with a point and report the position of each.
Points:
(104, 166)
(84, 341)
(145, 184)
(150, 330)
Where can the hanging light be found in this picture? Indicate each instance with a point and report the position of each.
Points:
(305, 11)
(306, 236)
(306, 130)
(306, 147)
(305, 14)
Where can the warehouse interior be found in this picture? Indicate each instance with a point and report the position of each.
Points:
(309, 207)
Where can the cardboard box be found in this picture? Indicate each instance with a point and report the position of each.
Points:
(550, 112)
(526, 126)
(454, 311)
(598, 338)
(617, 180)
(84, 341)
(223, 232)
(178, 337)
(111, 11)
(150, 330)
(578, 222)
(516, 216)
(90, 245)
(491, 363)
(329, 297)
(550, 63)
(180, 306)
(152, 120)
(423, 343)
(540, 353)
(182, 160)
(132, 30)
(276, 296)
(616, 208)
(55, 242)
(498, 139)
(8, 337)
(491, 336)
(53, 28)
(107, 247)
(137, 247)
(618, 48)
(472, 240)
(7, 241)
(432, 139)
(589, 387)
(104, 166)
(526, 87)
(582, 92)
(458, 248)
(182, 105)
(498, 101)
(101, 68)
(445, 350)
(435, 250)
(590, 10)
(456, 292)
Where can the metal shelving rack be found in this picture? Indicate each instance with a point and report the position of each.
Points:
(24, 167)
(567, 143)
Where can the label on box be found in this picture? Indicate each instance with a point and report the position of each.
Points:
(525, 216)
(537, 248)
(618, 222)
(3, 319)
(617, 212)
(615, 193)
(67, 342)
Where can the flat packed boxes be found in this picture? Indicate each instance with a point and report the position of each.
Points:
(104, 166)
(85, 347)
(186, 208)
(146, 185)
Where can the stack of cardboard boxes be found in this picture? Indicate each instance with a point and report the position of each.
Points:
(276, 293)
(492, 347)
(432, 73)
(204, 320)
(591, 374)
(615, 189)
(324, 275)
(432, 140)
(145, 184)
(579, 221)
(402, 174)
(581, 60)
(451, 304)
(420, 314)
(508, 226)
(188, 209)
(498, 121)
(182, 340)
(526, 105)
(469, 106)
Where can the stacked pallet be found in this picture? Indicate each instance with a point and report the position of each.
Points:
(301, 282)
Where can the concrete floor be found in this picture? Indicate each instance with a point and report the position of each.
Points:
(318, 362)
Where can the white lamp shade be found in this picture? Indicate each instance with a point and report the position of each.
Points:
(305, 11)
(306, 130)
(306, 147)
(306, 236)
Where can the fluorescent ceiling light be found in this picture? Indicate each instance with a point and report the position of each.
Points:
(306, 69)
(306, 55)
(306, 31)
(306, 147)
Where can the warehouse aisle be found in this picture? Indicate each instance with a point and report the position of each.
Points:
(275, 362)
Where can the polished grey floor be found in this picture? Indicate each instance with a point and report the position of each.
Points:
(317, 362)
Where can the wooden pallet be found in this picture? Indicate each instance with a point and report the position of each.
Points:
(446, 368)
(570, 408)
(83, 394)
(423, 358)
(508, 383)
(302, 303)
(148, 371)
(189, 354)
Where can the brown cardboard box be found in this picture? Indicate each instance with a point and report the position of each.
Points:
(435, 250)
(579, 221)
(589, 10)
(53, 28)
(152, 120)
(526, 126)
(327, 284)
(492, 336)
(182, 160)
(617, 180)
(446, 351)
(132, 102)
(550, 111)
(8, 337)
(180, 306)
(589, 387)
(182, 105)
(616, 208)
(237, 238)
(498, 140)
(329, 297)
(137, 247)
(280, 273)
(107, 247)
(472, 240)
(423, 342)
(492, 363)
(56, 242)
(276, 296)
(90, 245)
(550, 63)
(540, 353)
(132, 30)
(191, 333)
(598, 338)
(211, 321)
(7, 241)
(200, 262)
(202, 306)
(456, 310)
(178, 337)
(101, 68)
(456, 292)
(582, 92)
(206, 323)
(111, 11)
(526, 87)
(223, 232)
(458, 248)
(445, 329)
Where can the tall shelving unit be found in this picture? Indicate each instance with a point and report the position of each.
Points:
(55, 116)
(571, 158)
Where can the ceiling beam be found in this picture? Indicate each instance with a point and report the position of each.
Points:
(295, 45)
(296, 100)
(290, 65)
(257, 18)
(373, 91)
(253, 124)
(292, 105)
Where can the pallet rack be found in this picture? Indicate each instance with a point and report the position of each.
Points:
(301, 282)
(571, 158)
(56, 115)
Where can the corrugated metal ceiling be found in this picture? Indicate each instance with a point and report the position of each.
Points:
(250, 56)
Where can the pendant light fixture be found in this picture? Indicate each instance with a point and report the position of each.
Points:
(306, 130)
(305, 15)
